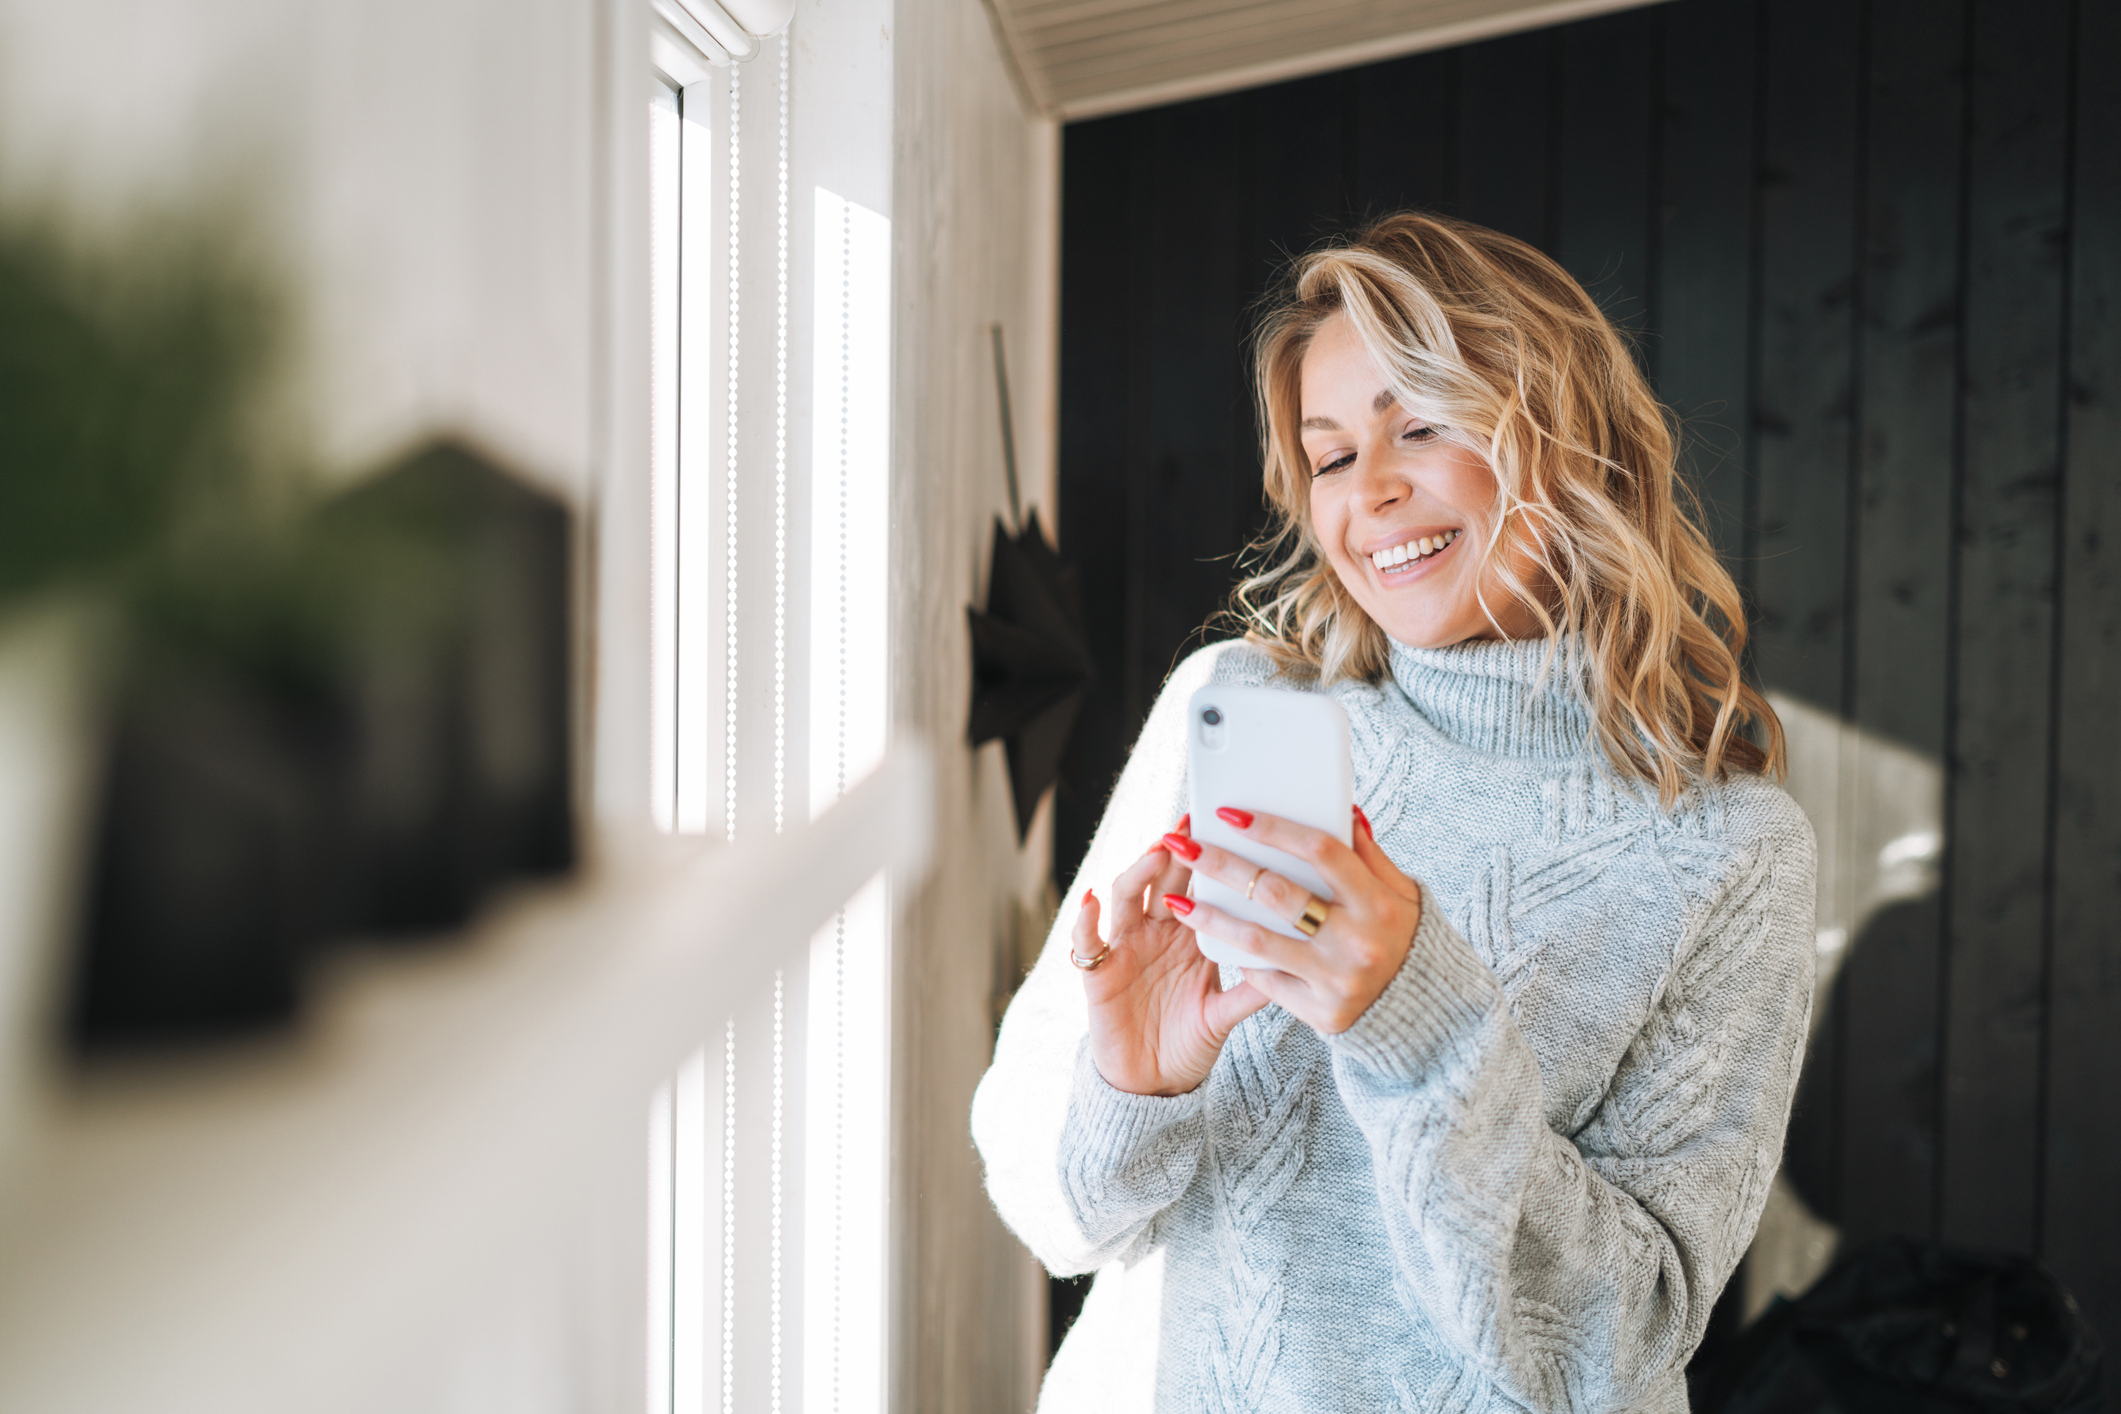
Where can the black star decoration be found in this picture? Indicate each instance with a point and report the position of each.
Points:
(1030, 653)
(1030, 661)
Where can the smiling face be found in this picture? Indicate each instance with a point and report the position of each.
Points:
(1402, 512)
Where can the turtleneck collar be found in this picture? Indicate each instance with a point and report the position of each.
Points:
(1488, 696)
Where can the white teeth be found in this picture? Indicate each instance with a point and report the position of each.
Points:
(1412, 550)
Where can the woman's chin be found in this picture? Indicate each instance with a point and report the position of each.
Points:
(1442, 630)
(1423, 610)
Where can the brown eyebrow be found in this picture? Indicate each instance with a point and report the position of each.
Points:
(1326, 424)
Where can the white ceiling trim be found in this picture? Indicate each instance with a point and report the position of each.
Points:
(1193, 72)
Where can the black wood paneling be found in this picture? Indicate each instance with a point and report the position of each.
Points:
(2084, 990)
(1704, 290)
(1505, 134)
(1805, 397)
(1405, 122)
(1906, 365)
(1995, 892)
(1099, 356)
(1194, 406)
(1872, 251)
(1803, 414)
(1604, 154)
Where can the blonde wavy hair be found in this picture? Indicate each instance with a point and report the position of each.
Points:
(1498, 348)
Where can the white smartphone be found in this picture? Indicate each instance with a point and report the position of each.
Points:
(1272, 752)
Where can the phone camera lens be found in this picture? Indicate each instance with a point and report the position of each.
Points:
(1212, 717)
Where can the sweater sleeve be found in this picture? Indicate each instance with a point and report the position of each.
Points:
(1579, 1274)
(1077, 1169)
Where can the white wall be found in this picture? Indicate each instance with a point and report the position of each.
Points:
(456, 193)
(447, 197)
(975, 205)
(424, 172)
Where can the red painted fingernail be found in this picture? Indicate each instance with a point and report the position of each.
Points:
(1182, 847)
(1089, 897)
(1364, 821)
(1178, 904)
(1185, 824)
(1237, 819)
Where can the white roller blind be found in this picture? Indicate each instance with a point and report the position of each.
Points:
(720, 32)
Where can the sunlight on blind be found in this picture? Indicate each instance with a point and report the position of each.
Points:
(664, 188)
(661, 1248)
(732, 443)
(850, 510)
(697, 710)
(680, 197)
(845, 1186)
(780, 475)
(846, 1181)
(688, 1233)
(763, 1296)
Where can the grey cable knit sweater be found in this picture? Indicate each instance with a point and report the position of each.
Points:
(1520, 1180)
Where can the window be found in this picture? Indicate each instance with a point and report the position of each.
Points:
(770, 654)
(846, 1178)
(666, 224)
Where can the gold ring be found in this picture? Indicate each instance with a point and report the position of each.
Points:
(1090, 964)
(1256, 876)
(1312, 918)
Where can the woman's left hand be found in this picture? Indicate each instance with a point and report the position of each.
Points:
(1330, 979)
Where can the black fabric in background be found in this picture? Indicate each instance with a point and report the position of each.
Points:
(1871, 251)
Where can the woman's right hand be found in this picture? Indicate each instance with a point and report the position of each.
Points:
(1158, 1013)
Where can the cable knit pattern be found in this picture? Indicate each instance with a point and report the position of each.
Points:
(1521, 1178)
(1261, 1095)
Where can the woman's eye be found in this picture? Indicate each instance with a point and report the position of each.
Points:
(1422, 433)
(1337, 464)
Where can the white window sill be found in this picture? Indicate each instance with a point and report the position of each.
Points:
(300, 1224)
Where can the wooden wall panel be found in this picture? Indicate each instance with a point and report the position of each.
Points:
(1872, 250)
(1302, 175)
(2083, 1140)
(1907, 365)
(1191, 319)
(1405, 121)
(1505, 87)
(1806, 392)
(1915, 142)
(1700, 330)
(2010, 410)
(1098, 356)
(1605, 150)
(1803, 411)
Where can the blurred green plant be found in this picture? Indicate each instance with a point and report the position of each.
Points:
(132, 370)
(327, 714)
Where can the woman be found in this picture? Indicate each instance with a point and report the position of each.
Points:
(1495, 1137)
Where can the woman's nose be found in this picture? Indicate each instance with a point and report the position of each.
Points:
(1378, 483)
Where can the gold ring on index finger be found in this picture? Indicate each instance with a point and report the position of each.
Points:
(1312, 918)
(1089, 964)
(1257, 875)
